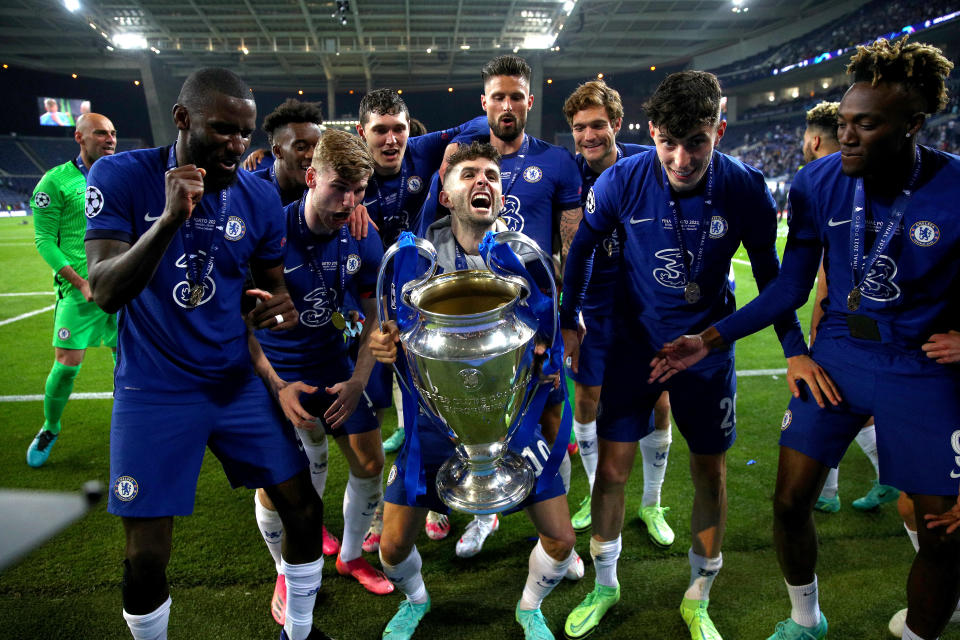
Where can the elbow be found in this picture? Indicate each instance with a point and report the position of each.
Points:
(103, 295)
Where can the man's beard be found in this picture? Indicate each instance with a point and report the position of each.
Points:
(216, 178)
(508, 136)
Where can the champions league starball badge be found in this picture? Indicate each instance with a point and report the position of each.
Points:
(93, 202)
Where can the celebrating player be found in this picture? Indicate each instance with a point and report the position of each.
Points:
(78, 323)
(877, 212)
(294, 130)
(171, 234)
(684, 209)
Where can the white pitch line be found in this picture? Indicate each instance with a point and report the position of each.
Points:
(26, 293)
(27, 315)
(748, 373)
(739, 261)
(75, 396)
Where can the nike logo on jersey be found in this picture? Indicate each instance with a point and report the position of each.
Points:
(150, 218)
(285, 270)
(836, 223)
(639, 220)
(367, 203)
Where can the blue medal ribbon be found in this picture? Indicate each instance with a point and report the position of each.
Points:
(860, 266)
(80, 165)
(519, 164)
(401, 195)
(196, 272)
(692, 270)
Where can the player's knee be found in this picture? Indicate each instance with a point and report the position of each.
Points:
(790, 510)
(559, 548)
(393, 551)
(612, 475)
(905, 509)
(369, 468)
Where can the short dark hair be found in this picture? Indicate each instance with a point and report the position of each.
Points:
(684, 101)
(472, 151)
(507, 65)
(292, 110)
(382, 102)
(920, 68)
(823, 117)
(595, 93)
(417, 128)
(204, 83)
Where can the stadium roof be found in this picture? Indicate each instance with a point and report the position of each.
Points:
(276, 44)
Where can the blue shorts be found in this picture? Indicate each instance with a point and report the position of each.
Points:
(362, 420)
(436, 448)
(702, 399)
(558, 395)
(594, 350)
(916, 415)
(157, 447)
(380, 386)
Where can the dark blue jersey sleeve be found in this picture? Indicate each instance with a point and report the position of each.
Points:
(109, 206)
(567, 195)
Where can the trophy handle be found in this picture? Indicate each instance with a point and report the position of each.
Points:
(424, 248)
(516, 236)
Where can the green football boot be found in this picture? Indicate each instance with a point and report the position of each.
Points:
(585, 618)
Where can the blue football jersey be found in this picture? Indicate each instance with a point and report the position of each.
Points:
(601, 291)
(913, 289)
(320, 271)
(538, 182)
(164, 344)
(630, 195)
(269, 175)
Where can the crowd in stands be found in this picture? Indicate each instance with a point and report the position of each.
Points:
(869, 22)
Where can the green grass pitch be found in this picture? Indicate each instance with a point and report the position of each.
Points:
(222, 577)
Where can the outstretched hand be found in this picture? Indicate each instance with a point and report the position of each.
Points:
(943, 347)
(677, 356)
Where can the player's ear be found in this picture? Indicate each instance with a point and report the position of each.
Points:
(277, 151)
(444, 199)
(720, 130)
(530, 101)
(616, 124)
(816, 143)
(311, 178)
(360, 132)
(181, 117)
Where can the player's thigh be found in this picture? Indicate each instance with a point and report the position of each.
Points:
(626, 400)
(593, 351)
(252, 440)
(363, 452)
(412, 479)
(551, 517)
(78, 324)
(156, 450)
(379, 390)
(401, 526)
(704, 405)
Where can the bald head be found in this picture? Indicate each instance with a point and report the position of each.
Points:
(96, 136)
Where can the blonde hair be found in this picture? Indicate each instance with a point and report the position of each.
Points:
(595, 93)
(919, 67)
(345, 153)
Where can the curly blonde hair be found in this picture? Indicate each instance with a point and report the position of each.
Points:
(920, 67)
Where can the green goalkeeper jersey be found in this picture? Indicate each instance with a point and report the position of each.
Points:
(59, 221)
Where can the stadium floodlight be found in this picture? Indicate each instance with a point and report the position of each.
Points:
(72, 5)
(568, 6)
(539, 41)
(130, 41)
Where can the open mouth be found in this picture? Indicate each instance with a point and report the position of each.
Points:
(391, 154)
(228, 165)
(682, 175)
(481, 200)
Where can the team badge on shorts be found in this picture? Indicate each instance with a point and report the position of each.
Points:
(63, 333)
(125, 488)
(392, 475)
(353, 263)
(924, 233)
(591, 201)
(718, 227)
(787, 419)
(414, 184)
(234, 229)
(532, 174)
(93, 202)
(42, 200)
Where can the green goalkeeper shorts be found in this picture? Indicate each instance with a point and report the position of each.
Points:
(78, 324)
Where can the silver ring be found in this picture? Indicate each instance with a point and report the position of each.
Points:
(278, 318)
(568, 361)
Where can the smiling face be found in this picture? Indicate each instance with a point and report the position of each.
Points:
(331, 198)
(686, 159)
(472, 192)
(97, 137)
(872, 127)
(595, 136)
(217, 134)
(293, 146)
(506, 99)
(386, 137)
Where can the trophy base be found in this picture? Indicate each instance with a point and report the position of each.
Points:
(490, 486)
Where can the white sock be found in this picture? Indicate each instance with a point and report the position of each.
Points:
(406, 576)
(655, 447)
(703, 571)
(910, 635)
(805, 602)
(913, 538)
(830, 485)
(544, 574)
(316, 447)
(564, 471)
(360, 500)
(586, 433)
(303, 582)
(150, 626)
(605, 556)
(867, 439)
(271, 528)
(397, 401)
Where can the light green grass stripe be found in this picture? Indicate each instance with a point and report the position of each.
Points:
(23, 316)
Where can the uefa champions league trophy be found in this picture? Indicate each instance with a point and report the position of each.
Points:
(471, 358)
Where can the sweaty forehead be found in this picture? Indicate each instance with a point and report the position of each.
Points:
(863, 98)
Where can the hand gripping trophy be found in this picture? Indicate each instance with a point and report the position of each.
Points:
(469, 340)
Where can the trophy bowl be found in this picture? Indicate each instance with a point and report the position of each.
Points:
(470, 355)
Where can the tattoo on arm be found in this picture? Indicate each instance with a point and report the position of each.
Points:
(569, 223)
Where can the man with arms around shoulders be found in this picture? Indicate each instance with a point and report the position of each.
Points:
(171, 234)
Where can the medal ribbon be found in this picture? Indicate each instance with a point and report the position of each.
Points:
(519, 164)
(861, 266)
(195, 272)
(693, 270)
(342, 238)
(83, 168)
(401, 195)
(460, 261)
